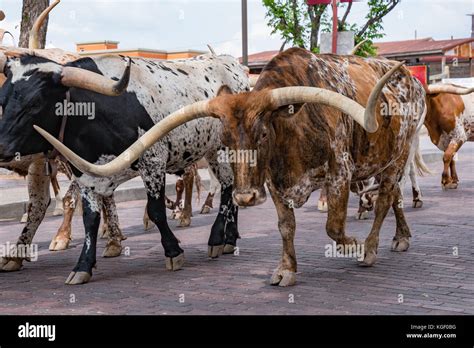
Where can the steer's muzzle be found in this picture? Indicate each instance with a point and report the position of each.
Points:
(249, 197)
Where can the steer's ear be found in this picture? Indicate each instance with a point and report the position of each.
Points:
(287, 111)
(218, 105)
(224, 90)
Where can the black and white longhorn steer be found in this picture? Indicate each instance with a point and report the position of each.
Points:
(124, 110)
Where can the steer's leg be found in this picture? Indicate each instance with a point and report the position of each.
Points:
(401, 241)
(285, 273)
(447, 180)
(208, 204)
(454, 173)
(58, 210)
(176, 206)
(185, 217)
(63, 237)
(38, 189)
(157, 212)
(417, 201)
(338, 190)
(224, 232)
(323, 200)
(147, 223)
(115, 236)
(152, 168)
(385, 199)
(91, 206)
(214, 187)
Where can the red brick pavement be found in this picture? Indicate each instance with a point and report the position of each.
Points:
(429, 277)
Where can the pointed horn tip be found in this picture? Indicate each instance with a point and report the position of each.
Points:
(33, 42)
(211, 49)
(43, 133)
(40, 130)
(48, 137)
(122, 84)
(356, 47)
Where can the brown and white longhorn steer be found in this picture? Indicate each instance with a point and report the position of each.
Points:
(307, 137)
(303, 147)
(450, 123)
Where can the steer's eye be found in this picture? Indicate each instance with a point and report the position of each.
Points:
(263, 137)
(35, 105)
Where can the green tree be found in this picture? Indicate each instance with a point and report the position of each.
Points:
(300, 24)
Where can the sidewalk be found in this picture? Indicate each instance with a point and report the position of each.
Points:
(14, 192)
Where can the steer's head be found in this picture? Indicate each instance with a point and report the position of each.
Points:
(28, 97)
(249, 138)
(30, 94)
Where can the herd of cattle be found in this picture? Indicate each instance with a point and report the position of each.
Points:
(315, 121)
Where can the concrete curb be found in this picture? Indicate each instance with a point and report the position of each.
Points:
(16, 210)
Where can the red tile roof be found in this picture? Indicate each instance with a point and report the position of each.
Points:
(418, 46)
(261, 57)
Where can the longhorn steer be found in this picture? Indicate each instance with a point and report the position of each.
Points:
(156, 89)
(450, 123)
(305, 139)
(38, 189)
(34, 167)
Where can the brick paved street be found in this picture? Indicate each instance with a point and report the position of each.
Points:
(429, 277)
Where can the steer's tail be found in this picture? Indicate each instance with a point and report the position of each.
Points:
(420, 165)
(198, 183)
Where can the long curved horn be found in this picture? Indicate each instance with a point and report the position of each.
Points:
(366, 117)
(85, 79)
(125, 160)
(356, 47)
(435, 89)
(33, 42)
(253, 80)
(2, 35)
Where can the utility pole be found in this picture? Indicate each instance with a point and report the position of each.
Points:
(335, 21)
(245, 34)
(334, 26)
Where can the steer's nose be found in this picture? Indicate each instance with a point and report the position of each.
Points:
(246, 199)
(249, 197)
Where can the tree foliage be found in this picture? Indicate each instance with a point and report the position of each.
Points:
(300, 24)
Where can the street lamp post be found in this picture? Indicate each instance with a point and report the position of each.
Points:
(245, 37)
